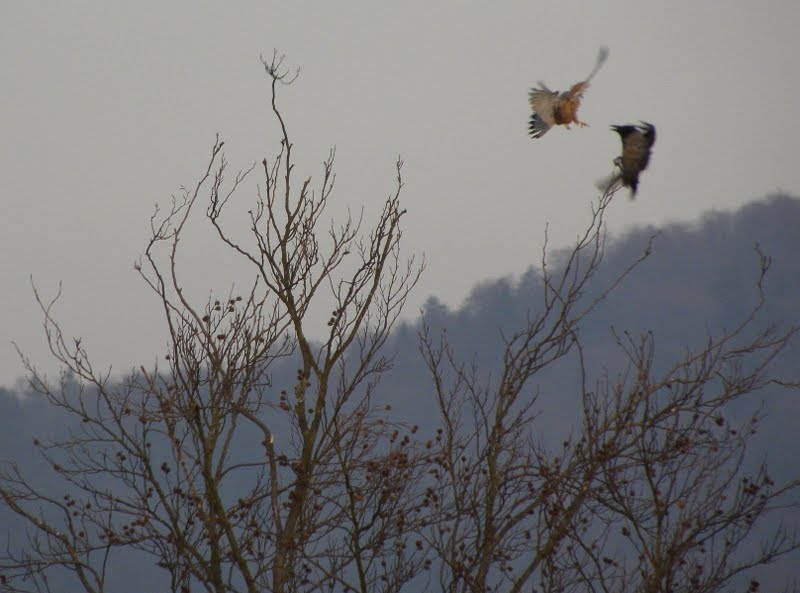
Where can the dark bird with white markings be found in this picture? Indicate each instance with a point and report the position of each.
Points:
(637, 144)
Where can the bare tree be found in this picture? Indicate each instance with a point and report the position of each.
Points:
(653, 465)
(681, 500)
(225, 480)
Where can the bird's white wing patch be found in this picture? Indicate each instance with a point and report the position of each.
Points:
(543, 102)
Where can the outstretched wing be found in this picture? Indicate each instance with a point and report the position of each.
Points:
(602, 56)
(543, 103)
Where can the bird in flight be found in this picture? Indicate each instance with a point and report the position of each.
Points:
(637, 143)
(552, 108)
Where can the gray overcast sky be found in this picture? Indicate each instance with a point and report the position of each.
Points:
(106, 109)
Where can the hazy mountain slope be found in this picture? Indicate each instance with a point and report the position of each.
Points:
(700, 279)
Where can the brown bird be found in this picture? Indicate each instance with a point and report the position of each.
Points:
(551, 108)
(637, 142)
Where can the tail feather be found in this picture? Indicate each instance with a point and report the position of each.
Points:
(609, 183)
(618, 179)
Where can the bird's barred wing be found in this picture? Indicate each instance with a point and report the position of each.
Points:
(543, 103)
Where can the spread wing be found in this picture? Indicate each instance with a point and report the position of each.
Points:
(543, 102)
